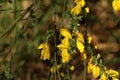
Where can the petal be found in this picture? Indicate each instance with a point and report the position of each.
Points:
(65, 41)
(41, 46)
(72, 68)
(61, 47)
(79, 36)
(82, 3)
(80, 46)
(76, 10)
(42, 54)
(115, 78)
(65, 33)
(112, 72)
(65, 56)
(83, 56)
(103, 77)
(115, 5)
(77, 1)
(95, 71)
(45, 52)
(64, 44)
(89, 67)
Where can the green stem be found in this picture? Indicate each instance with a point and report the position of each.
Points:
(57, 71)
(85, 70)
(63, 12)
(117, 21)
(55, 55)
(15, 7)
(85, 62)
(76, 21)
(51, 76)
(10, 49)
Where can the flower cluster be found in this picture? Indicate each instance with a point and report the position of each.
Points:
(99, 71)
(81, 42)
(94, 66)
(65, 45)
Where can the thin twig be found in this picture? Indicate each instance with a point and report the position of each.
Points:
(33, 9)
(117, 21)
(9, 29)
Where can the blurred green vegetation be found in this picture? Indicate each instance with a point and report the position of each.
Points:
(24, 25)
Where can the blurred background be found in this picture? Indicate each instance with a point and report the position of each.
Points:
(23, 26)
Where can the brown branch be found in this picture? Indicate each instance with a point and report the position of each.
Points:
(9, 29)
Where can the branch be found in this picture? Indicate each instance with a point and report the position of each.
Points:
(9, 29)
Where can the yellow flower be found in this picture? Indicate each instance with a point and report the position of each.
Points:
(79, 36)
(53, 69)
(95, 71)
(62, 74)
(80, 46)
(76, 10)
(96, 47)
(82, 2)
(79, 41)
(65, 56)
(72, 68)
(65, 33)
(89, 40)
(89, 68)
(83, 56)
(109, 73)
(114, 78)
(90, 65)
(112, 73)
(64, 44)
(87, 9)
(103, 77)
(45, 52)
(116, 5)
